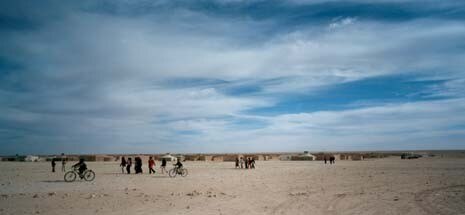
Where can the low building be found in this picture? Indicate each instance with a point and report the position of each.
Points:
(303, 157)
(218, 158)
(104, 158)
(351, 156)
(192, 157)
(287, 157)
(231, 158)
(205, 158)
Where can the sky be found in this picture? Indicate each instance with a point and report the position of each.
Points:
(157, 76)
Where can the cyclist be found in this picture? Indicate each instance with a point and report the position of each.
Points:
(178, 165)
(82, 167)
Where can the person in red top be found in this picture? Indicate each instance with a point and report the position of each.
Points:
(151, 165)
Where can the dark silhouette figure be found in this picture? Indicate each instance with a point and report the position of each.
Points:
(82, 166)
(128, 166)
(242, 162)
(332, 160)
(151, 165)
(163, 166)
(178, 163)
(246, 161)
(63, 162)
(138, 165)
(252, 163)
(53, 164)
(123, 164)
(326, 160)
(237, 163)
(178, 166)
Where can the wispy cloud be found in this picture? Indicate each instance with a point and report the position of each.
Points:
(116, 76)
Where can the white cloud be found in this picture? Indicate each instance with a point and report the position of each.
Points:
(96, 77)
(342, 22)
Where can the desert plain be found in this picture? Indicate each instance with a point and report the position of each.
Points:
(430, 185)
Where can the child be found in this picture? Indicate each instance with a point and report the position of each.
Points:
(163, 166)
(151, 165)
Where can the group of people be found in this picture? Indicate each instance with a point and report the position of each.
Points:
(248, 163)
(127, 164)
(63, 163)
(332, 160)
(81, 165)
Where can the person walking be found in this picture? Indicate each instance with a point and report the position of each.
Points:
(63, 164)
(151, 165)
(237, 162)
(123, 164)
(128, 166)
(163, 166)
(246, 161)
(53, 164)
(242, 162)
(138, 165)
(252, 163)
(325, 159)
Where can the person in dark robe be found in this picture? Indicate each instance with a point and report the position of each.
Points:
(138, 165)
(128, 166)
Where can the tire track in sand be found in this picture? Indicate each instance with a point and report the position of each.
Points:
(442, 200)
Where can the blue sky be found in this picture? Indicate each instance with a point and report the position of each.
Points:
(231, 76)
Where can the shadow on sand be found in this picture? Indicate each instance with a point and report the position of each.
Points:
(54, 181)
(113, 173)
(160, 176)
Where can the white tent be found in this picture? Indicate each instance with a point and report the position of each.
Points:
(31, 158)
(169, 157)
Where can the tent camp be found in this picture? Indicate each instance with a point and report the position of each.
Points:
(31, 158)
(169, 157)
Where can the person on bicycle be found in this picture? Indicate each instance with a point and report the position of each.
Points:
(178, 165)
(82, 166)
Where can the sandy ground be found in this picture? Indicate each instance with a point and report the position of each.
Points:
(381, 186)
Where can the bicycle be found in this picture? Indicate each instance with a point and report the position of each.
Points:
(87, 175)
(178, 171)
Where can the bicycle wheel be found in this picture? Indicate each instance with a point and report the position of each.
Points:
(172, 173)
(184, 173)
(70, 176)
(89, 175)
